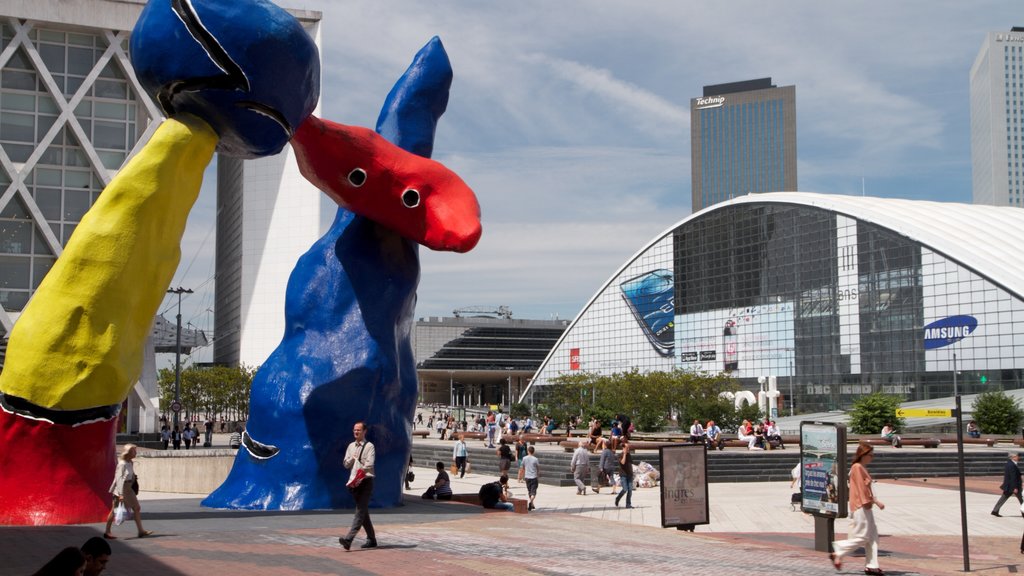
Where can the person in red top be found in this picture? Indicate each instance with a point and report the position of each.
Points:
(863, 531)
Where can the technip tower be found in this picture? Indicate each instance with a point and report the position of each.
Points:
(742, 140)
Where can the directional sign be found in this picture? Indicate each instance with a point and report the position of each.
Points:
(925, 412)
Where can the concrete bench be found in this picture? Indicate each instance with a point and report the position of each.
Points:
(534, 438)
(989, 441)
(924, 442)
(421, 433)
(520, 504)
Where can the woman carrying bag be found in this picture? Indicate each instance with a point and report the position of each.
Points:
(863, 531)
(121, 488)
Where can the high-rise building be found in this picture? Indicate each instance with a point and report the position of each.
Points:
(742, 140)
(997, 119)
(71, 113)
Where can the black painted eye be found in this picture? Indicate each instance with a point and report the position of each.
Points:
(357, 177)
(411, 198)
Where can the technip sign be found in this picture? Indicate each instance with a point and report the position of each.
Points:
(710, 102)
(946, 331)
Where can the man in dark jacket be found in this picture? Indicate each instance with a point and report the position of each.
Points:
(1011, 482)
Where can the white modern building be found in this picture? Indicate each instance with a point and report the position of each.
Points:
(828, 296)
(71, 113)
(997, 119)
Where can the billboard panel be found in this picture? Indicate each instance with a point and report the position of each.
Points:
(823, 489)
(747, 342)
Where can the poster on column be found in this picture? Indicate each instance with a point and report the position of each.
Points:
(823, 469)
(684, 486)
(746, 342)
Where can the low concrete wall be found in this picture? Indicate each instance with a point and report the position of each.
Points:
(198, 471)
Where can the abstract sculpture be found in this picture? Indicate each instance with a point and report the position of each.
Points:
(240, 77)
(346, 353)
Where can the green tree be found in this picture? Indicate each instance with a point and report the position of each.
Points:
(519, 410)
(997, 413)
(873, 411)
(209, 392)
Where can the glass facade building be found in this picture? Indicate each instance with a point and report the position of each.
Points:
(835, 296)
(742, 140)
(997, 119)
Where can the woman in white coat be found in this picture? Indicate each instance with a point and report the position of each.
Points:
(121, 488)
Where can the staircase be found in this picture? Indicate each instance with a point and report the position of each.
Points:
(739, 465)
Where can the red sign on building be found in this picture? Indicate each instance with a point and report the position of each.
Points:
(574, 359)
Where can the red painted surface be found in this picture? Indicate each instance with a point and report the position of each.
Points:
(51, 474)
(447, 216)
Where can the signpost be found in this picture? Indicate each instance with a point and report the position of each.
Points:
(925, 412)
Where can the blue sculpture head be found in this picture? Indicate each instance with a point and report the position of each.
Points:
(246, 67)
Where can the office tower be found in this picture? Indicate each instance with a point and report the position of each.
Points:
(742, 140)
(997, 119)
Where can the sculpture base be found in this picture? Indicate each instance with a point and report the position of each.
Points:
(55, 474)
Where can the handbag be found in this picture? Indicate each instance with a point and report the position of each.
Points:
(360, 474)
(469, 467)
(120, 513)
(455, 469)
(135, 485)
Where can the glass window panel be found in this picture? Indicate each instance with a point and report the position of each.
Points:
(112, 70)
(84, 108)
(53, 57)
(76, 203)
(15, 209)
(19, 60)
(39, 269)
(80, 39)
(14, 272)
(19, 102)
(74, 82)
(77, 179)
(50, 36)
(80, 60)
(18, 152)
(43, 126)
(18, 80)
(75, 157)
(15, 237)
(39, 244)
(48, 201)
(13, 301)
(69, 229)
(86, 125)
(111, 89)
(108, 135)
(16, 127)
(111, 160)
(53, 156)
(112, 110)
(46, 105)
(47, 177)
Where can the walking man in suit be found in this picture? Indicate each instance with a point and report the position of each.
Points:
(1011, 482)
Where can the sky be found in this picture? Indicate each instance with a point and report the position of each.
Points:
(571, 121)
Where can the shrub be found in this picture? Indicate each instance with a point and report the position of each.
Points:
(871, 412)
(997, 413)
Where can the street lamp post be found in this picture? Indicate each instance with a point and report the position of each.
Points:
(177, 356)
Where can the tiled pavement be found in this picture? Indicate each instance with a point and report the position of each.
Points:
(752, 530)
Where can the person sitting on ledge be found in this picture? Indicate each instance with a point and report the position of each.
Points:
(972, 429)
(889, 433)
(493, 495)
(746, 434)
(714, 436)
(697, 433)
(442, 488)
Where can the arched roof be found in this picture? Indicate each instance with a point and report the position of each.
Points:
(986, 239)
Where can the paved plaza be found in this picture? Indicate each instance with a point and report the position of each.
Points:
(752, 530)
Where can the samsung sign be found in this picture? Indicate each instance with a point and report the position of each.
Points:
(948, 330)
(710, 102)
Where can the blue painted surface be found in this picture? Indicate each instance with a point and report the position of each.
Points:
(346, 353)
(949, 330)
(245, 66)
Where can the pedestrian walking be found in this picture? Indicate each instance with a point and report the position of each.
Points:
(360, 456)
(504, 453)
(626, 475)
(1011, 482)
(580, 467)
(122, 489)
(460, 455)
(531, 472)
(863, 531)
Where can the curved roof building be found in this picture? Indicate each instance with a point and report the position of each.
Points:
(835, 296)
